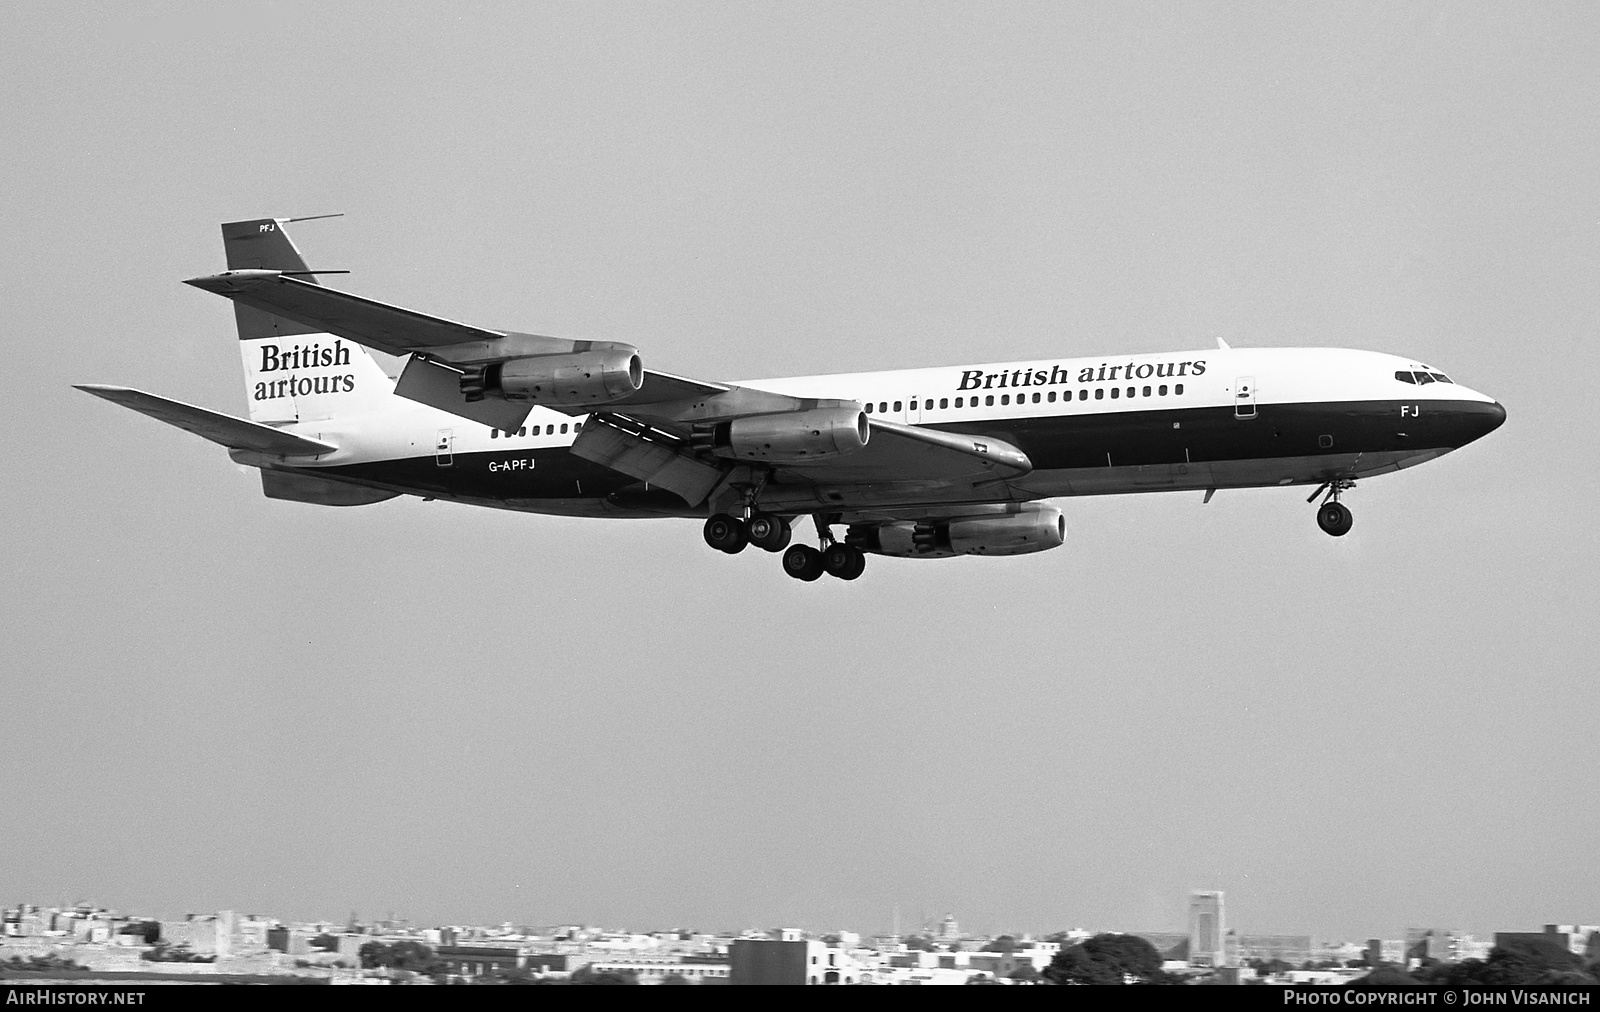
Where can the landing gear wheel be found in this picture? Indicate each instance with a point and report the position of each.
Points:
(844, 561)
(767, 532)
(726, 534)
(803, 563)
(1335, 519)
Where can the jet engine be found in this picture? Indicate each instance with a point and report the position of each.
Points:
(794, 436)
(600, 375)
(1034, 528)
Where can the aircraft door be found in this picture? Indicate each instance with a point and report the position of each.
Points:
(1244, 397)
(444, 448)
(914, 410)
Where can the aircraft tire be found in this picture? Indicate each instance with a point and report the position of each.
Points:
(769, 533)
(726, 533)
(803, 563)
(844, 561)
(1335, 519)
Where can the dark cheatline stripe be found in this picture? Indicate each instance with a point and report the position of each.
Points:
(1054, 442)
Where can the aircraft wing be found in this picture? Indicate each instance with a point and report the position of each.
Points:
(651, 433)
(402, 332)
(234, 433)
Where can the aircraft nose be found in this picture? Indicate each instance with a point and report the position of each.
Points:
(1478, 420)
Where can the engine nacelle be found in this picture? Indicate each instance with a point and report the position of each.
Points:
(796, 436)
(1037, 528)
(1034, 528)
(604, 373)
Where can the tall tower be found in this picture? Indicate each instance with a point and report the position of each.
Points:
(1207, 929)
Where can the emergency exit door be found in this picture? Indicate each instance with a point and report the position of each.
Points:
(443, 450)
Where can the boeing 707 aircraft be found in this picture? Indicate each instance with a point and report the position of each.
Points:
(919, 463)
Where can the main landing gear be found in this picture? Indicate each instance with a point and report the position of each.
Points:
(1334, 516)
(727, 533)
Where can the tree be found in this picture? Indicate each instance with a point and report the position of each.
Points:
(1025, 974)
(405, 954)
(1005, 943)
(1107, 959)
(1528, 961)
(921, 943)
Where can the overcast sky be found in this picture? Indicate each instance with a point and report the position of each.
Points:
(214, 700)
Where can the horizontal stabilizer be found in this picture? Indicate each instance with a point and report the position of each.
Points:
(234, 433)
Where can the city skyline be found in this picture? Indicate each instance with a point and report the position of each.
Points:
(215, 700)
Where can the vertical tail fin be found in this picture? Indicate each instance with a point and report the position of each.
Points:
(293, 372)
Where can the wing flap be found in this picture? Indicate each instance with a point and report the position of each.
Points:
(226, 430)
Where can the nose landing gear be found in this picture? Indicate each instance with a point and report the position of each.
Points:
(1334, 516)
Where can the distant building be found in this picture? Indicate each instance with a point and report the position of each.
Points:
(1207, 929)
(1295, 949)
(654, 971)
(1437, 944)
(1578, 939)
(949, 930)
(789, 959)
(479, 960)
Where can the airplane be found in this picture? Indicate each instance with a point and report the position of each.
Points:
(919, 463)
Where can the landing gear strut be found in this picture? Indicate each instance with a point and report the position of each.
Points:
(1334, 516)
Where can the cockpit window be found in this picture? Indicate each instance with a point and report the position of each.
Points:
(1404, 377)
(1423, 377)
(1441, 377)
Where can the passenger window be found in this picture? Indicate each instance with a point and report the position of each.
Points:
(958, 402)
(549, 430)
(522, 431)
(563, 428)
(1162, 390)
(494, 433)
(1177, 388)
(913, 405)
(1147, 391)
(1131, 391)
(1404, 377)
(1100, 393)
(944, 402)
(897, 405)
(1036, 398)
(1005, 399)
(1052, 397)
(989, 400)
(1083, 395)
(1116, 392)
